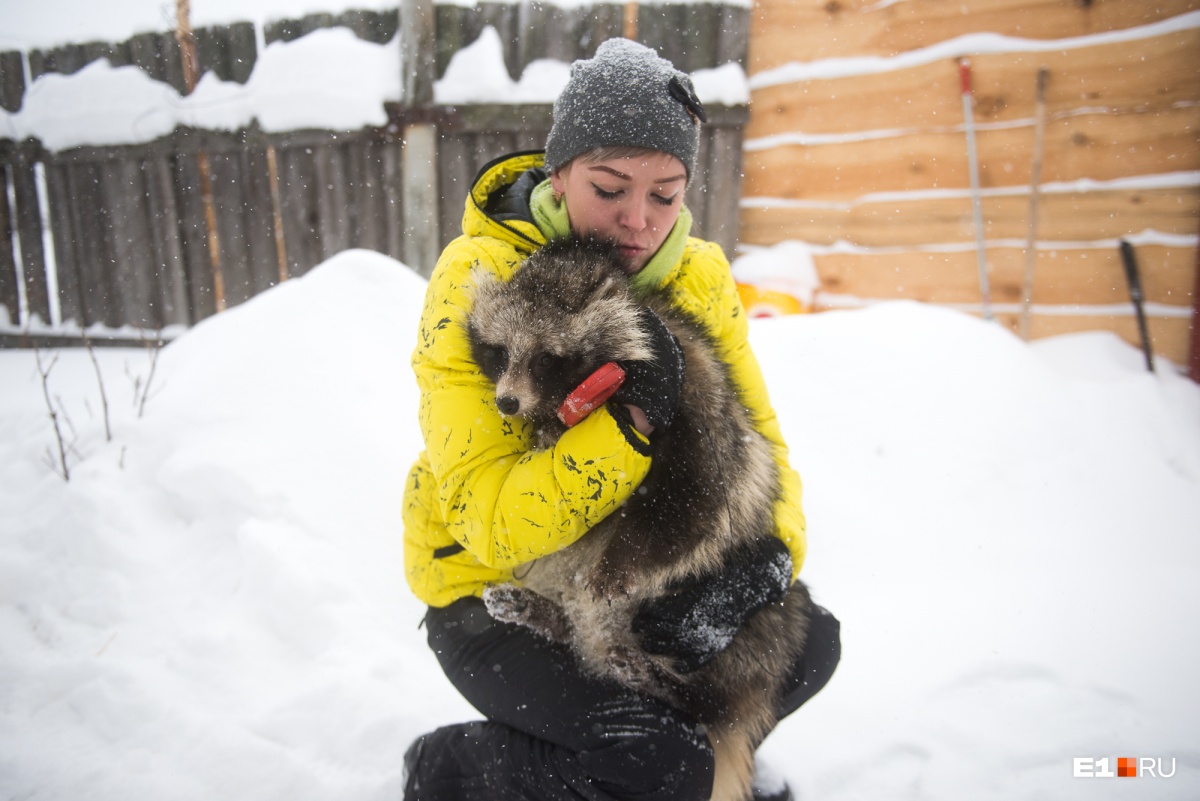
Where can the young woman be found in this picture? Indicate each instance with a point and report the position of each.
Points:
(479, 502)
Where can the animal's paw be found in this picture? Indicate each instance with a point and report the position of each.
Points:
(508, 603)
(609, 583)
(629, 666)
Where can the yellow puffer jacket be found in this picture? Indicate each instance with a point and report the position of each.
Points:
(478, 502)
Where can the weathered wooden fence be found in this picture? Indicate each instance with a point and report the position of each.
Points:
(127, 226)
(864, 155)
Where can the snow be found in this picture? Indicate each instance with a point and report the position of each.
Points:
(476, 74)
(327, 79)
(214, 604)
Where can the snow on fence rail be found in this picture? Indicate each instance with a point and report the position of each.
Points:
(115, 235)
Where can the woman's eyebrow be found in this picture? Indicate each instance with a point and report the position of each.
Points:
(624, 177)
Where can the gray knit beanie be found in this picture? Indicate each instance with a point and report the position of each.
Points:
(625, 96)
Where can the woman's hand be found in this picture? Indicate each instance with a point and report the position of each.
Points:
(653, 386)
(640, 421)
(699, 617)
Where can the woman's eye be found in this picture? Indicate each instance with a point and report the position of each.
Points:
(604, 195)
(664, 201)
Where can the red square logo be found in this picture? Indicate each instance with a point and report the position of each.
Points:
(1127, 766)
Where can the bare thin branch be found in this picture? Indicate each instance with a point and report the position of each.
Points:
(44, 372)
(91, 350)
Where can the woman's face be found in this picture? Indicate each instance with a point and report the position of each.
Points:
(632, 201)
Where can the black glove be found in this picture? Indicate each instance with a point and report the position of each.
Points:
(699, 617)
(654, 385)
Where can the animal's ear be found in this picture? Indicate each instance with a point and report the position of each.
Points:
(606, 272)
(604, 287)
(482, 285)
(480, 277)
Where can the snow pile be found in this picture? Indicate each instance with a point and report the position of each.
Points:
(49, 23)
(327, 79)
(477, 74)
(214, 605)
(787, 268)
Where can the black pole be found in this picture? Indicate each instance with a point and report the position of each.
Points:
(1135, 294)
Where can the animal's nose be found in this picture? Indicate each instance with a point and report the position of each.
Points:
(508, 404)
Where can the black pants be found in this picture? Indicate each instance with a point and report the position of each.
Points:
(555, 733)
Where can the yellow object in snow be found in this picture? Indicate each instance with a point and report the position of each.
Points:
(761, 302)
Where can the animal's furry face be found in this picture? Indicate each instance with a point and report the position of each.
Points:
(566, 312)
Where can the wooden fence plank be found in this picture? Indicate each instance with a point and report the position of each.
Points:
(66, 260)
(1112, 77)
(808, 30)
(1100, 147)
(12, 80)
(194, 236)
(98, 301)
(9, 297)
(333, 232)
(379, 27)
(298, 198)
(123, 194)
(165, 242)
(1070, 216)
(733, 36)
(1169, 336)
(370, 219)
(226, 176)
(70, 58)
(713, 194)
(391, 176)
(262, 260)
(684, 35)
(29, 229)
(1063, 276)
(456, 170)
(229, 51)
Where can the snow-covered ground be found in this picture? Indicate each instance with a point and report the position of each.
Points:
(214, 605)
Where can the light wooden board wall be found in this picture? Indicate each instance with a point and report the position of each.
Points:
(857, 145)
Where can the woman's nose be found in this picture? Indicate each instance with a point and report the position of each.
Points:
(633, 215)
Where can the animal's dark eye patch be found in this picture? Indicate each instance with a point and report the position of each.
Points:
(546, 364)
(492, 359)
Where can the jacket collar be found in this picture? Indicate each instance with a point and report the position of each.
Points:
(503, 218)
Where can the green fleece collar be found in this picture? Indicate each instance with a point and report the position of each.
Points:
(550, 215)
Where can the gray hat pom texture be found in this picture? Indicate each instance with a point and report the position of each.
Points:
(625, 96)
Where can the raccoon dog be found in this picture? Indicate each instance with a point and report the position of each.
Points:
(711, 486)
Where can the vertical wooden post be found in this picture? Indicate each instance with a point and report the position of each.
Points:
(187, 54)
(276, 213)
(1194, 355)
(30, 232)
(419, 170)
(629, 20)
(1035, 188)
(9, 297)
